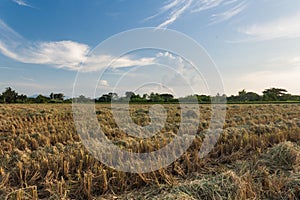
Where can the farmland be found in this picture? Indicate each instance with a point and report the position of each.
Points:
(256, 157)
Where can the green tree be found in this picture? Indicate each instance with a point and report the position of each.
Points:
(9, 95)
(247, 96)
(145, 97)
(252, 96)
(108, 97)
(129, 94)
(242, 95)
(82, 99)
(137, 98)
(204, 98)
(113, 96)
(166, 97)
(154, 97)
(52, 96)
(21, 98)
(274, 94)
(59, 96)
(105, 98)
(41, 99)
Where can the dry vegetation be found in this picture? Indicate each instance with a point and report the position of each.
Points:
(256, 157)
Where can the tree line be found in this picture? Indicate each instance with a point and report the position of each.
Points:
(268, 95)
(11, 96)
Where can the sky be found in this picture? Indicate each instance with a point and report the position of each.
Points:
(43, 44)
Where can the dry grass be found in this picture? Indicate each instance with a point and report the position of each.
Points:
(256, 157)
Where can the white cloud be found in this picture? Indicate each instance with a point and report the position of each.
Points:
(220, 17)
(172, 4)
(127, 62)
(176, 8)
(60, 54)
(288, 27)
(179, 8)
(166, 55)
(182, 73)
(22, 3)
(101, 62)
(159, 72)
(104, 83)
(7, 33)
(206, 5)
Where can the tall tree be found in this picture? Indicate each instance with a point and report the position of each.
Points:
(21, 98)
(166, 97)
(129, 94)
(59, 96)
(154, 97)
(113, 96)
(41, 99)
(52, 96)
(274, 94)
(9, 95)
(242, 95)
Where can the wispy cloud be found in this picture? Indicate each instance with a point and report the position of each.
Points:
(27, 78)
(68, 55)
(100, 62)
(178, 8)
(288, 27)
(202, 5)
(168, 73)
(60, 54)
(6, 68)
(22, 3)
(174, 9)
(220, 17)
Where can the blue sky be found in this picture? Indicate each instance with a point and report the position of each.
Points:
(255, 44)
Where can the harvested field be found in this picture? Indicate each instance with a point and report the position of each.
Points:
(256, 157)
